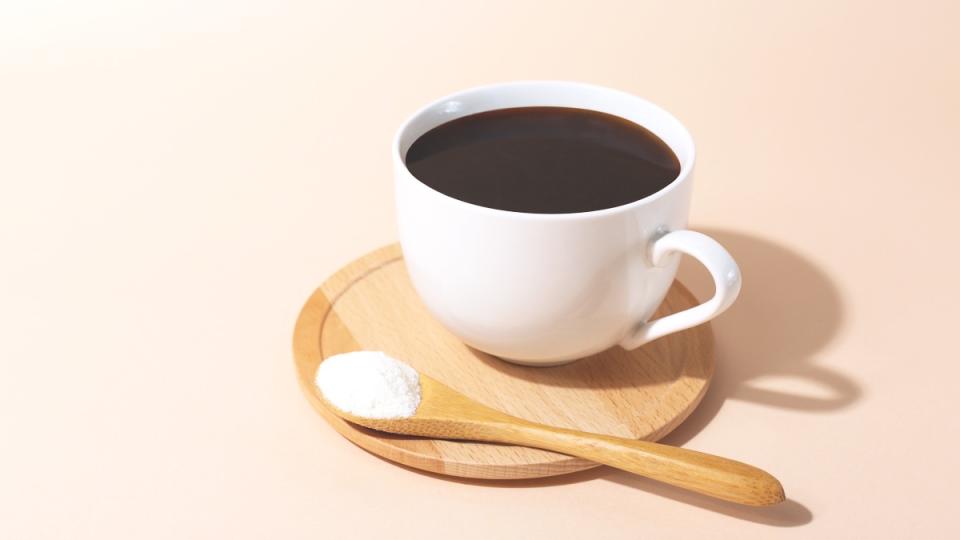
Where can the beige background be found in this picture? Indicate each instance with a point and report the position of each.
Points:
(177, 177)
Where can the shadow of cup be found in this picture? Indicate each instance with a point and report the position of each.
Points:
(788, 310)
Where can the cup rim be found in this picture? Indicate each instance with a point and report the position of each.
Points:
(686, 165)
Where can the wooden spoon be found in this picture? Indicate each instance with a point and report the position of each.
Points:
(444, 413)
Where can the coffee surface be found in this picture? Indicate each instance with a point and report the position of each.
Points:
(545, 160)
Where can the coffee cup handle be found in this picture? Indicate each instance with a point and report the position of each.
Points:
(726, 278)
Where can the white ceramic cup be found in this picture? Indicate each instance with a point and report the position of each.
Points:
(546, 289)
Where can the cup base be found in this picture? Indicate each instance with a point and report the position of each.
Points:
(536, 363)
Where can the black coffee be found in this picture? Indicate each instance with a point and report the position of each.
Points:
(545, 160)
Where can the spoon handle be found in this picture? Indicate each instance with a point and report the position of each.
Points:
(704, 473)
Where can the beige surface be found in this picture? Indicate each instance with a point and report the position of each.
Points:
(166, 171)
(370, 304)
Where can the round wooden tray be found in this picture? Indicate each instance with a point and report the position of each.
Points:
(370, 304)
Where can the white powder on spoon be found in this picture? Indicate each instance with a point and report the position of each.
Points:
(369, 384)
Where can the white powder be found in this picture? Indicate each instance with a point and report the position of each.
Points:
(369, 384)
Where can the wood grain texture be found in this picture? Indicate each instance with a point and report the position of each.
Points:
(370, 304)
